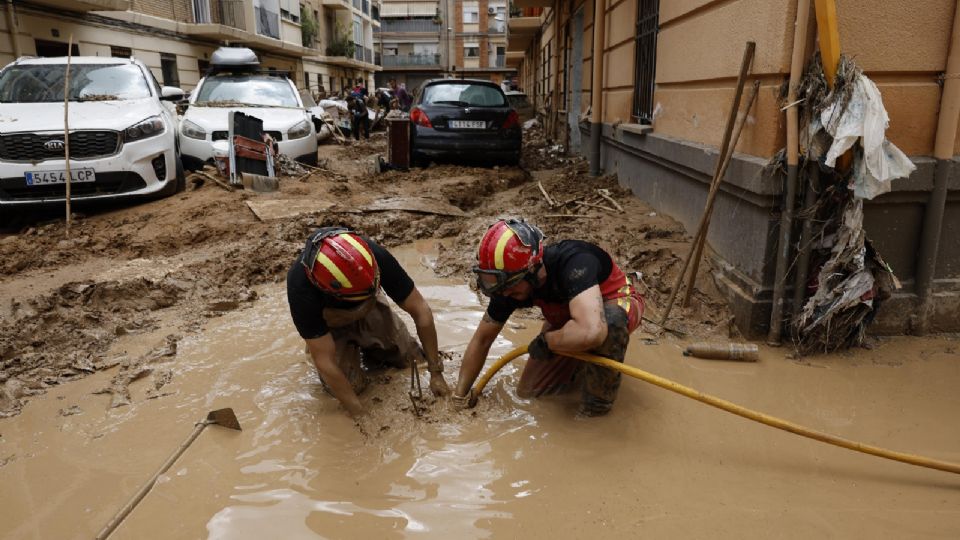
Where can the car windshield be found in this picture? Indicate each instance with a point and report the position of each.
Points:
(44, 83)
(463, 95)
(246, 90)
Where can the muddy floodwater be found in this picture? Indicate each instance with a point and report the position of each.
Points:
(659, 466)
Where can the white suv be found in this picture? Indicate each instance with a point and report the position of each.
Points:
(235, 83)
(122, 137)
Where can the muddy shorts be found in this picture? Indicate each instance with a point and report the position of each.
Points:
(378, 340)
(598, 385)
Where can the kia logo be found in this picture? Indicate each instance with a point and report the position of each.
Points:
(53, 145)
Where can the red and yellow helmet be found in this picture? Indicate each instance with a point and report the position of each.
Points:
(341, 264)
(509, 251)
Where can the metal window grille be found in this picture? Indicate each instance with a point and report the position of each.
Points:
(648, 17)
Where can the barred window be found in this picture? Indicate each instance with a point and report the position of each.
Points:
(648, 19)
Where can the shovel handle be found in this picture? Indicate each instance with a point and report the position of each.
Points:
(132, 503)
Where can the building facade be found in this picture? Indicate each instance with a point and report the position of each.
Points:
(421, 40)
(666, 81)
(321, 43)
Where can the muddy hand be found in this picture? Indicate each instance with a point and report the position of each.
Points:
(538, 348)
(468, 401)
(438, 385)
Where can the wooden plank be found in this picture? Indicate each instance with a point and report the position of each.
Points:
(414, 204)
(270, 209)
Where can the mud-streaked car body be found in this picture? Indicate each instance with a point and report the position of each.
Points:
(464, 119)
(235, 83)
(122, 136)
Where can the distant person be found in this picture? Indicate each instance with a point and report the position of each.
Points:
(359, 119)
(404, 100)
(334, 293)
(587, 301)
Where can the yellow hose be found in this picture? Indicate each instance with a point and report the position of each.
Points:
(771, 421)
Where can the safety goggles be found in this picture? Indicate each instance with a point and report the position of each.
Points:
(309, 256)
(491, 282)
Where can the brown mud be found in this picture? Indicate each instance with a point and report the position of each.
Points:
(116, 338)
(172, 264)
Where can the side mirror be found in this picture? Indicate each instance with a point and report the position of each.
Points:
(171, 93)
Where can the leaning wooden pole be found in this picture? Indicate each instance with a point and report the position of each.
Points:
(748, 53)
(66, 126)
(711, 198)
(793, 160)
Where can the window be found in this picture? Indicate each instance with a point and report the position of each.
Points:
(120, 52)
(648, 16)
(201, 11)
(471, 13)
(54, 48)
(203, 66)
(267, 16)
(463, 94)
(471, 51)
(168, 66)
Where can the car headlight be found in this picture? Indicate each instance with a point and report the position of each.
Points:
(299, 130)
(148, 128)
(191, 130)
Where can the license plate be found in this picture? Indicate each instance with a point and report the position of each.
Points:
(46, 178)
(468, 124)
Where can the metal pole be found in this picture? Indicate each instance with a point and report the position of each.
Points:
(943, 151)
(596, 85)
(13, 31)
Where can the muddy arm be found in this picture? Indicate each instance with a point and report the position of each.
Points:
(419, 309)
(476, 353)
(587, 327)
(322, 351)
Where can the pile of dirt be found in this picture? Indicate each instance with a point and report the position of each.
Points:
(162, 268)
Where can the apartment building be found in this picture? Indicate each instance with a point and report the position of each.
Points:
(176, 38)
(444, 38)
(666, 80)
(412, 41)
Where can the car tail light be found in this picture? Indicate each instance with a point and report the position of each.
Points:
(512, 120)
(418, 117)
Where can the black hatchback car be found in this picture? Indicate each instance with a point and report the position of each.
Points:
(465, 119)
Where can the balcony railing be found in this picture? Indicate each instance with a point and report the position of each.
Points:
(358, 51)
(397, 60)
(497, 27)
(230, 13)
(366, 7)
(368, 55)
(409, 25)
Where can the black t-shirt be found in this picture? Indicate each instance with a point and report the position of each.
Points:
(307, 302)
(573, 266)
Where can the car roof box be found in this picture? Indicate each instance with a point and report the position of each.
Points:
(233, 58)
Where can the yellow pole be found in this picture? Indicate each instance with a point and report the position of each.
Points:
(725, 405)
(829, 35)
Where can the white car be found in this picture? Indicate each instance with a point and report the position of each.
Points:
(123, 140)
(234, 84)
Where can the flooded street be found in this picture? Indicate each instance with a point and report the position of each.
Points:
(659, 465)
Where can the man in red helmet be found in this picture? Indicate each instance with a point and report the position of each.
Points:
(587, 301)
(333, 292)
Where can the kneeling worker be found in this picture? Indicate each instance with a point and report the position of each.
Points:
(587, 301)
(333, 292)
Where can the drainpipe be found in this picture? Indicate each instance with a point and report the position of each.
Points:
(793, 160)
(943, 152)
(13, 31)
(596, 105)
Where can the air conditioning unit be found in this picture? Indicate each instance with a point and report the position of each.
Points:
(491, 11)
